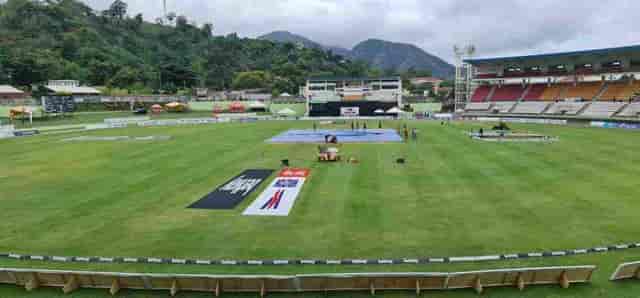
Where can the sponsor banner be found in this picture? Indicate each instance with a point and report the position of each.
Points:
(443, 116)
(234, 191)
(523, 120)
(26, 133)
(350, 111)
(174, 122)
(98, 126)
(125, 120)
(279, 197)
(606, 124)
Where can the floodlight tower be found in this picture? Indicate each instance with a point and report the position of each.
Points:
(164, 5)
(464, 75)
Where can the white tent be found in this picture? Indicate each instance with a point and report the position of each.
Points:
(286, 112)
(394, 110)
(379, 111)
(285, 95)
(256, 105)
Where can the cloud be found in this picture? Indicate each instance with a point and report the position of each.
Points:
(495, 27)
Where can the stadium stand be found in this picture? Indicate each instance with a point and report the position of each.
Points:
(520, 278)
(614, 91)
(586, 91)
(627, 271)
(481, 94)
(508, 93)
(553, 92)
(566, 108)
(602, 109)
(503, 107)
(535, 92)
(632, 110)
(631, 91)
(530, 107)
(478, 107)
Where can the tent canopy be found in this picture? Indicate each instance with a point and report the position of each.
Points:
(257, 105)
(286, 112)
(394, 110)
(20, 110)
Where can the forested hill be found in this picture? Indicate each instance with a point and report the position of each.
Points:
(66, 39)
(381, 54)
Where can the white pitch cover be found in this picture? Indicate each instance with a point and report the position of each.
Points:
(279, 197)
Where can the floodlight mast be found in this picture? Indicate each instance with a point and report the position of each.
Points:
(463, 76)
(164, 5)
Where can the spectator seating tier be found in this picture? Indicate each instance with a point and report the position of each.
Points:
(535, 92)
(553, 92)
(481, 94)
(503, 107)
(566, 108)
(620, 90)
(530, 107)
(478, 106)
(602, 109)
(508, 93)
(586, 91)
(631, 91)
(632, 110)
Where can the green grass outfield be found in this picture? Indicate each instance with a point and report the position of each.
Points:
(455, 197)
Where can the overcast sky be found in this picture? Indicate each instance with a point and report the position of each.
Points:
(505, 27)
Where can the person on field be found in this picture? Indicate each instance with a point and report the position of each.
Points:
(414, 134)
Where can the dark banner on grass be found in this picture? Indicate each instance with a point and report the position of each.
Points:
(26, 133)
(230, 194)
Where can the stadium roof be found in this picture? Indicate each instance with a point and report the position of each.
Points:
(6, 89)
(397, 78)
(73, 90)
(561, 55)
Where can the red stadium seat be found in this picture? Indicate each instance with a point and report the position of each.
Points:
(481, 94)
(508, 93)
(535, 92)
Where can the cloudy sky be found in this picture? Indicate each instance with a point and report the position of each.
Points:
(495, 27)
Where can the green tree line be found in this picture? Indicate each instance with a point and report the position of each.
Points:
(66, 39)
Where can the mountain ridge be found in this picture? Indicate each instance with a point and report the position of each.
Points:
(382, 54)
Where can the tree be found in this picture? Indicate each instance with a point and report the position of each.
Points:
(207, 30)
(62, 39)
(137, 21)
(182, 23)
(252, 80)
(118, 9)
(125, 77)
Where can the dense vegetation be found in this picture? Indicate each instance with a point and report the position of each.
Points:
(66, 39)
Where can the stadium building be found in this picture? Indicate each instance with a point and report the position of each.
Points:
(331, 97)
(600, 83)
(8, 93)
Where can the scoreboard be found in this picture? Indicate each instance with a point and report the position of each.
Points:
(58, 104)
